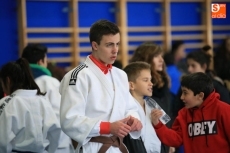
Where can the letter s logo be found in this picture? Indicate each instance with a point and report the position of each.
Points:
(215, 8)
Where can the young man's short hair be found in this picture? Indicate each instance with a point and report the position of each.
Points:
(133, 69)
(198, 82)
(34, 52)
(100, 28)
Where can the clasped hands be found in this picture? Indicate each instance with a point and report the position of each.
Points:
(122, 127)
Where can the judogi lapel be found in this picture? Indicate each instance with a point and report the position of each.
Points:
(101, 76)
(111, 88)
(118, 102)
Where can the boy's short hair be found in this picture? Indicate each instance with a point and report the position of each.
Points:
(34, 52)
(198, 82)
(100, 28)
(133, 69)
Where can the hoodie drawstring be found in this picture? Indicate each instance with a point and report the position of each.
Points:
(206, 137)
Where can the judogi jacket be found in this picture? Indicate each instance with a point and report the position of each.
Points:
(148, 134)
(89, 97)
(50, 85)
(28, 123)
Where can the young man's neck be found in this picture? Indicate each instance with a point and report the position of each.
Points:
(104, 68)
(95, 57)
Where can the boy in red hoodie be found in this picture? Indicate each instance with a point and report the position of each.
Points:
(203, 124)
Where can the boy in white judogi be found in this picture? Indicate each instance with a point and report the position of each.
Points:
(96, 106)
(139, 76)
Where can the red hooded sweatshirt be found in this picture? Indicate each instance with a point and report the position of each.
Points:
(204, 129)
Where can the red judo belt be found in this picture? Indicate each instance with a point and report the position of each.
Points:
(108, 142)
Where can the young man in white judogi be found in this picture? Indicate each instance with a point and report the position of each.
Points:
(36, 55)
(96, 106)
(139, 76)
(27, 120)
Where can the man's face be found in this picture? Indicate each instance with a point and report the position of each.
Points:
(190, 100)
(106, 51)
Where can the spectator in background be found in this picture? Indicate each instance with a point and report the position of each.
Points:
(176, 65)
(208, 49)
(56, 71)
(222, 61)
(199, 61)
(152, 53)
(36, 55)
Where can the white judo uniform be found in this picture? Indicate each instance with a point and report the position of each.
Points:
(28, 123)
(148, 134)
(89, 97)
(50, 85)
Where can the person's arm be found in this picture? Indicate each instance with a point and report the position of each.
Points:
(72, 111)
(118, 128)
(171, 137)
(132, 111)
(51, 85)
(6, 132)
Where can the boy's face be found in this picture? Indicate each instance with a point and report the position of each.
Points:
(194, 66)
(107, 51)
(158, 62)
(190, 100)
(143, 85)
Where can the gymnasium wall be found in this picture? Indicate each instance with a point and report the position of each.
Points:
(55, 14)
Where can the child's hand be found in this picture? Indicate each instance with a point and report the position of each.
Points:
(155, 115)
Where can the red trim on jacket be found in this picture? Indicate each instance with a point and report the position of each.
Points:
(104, 69)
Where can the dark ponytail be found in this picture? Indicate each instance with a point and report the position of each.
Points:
(20, 76)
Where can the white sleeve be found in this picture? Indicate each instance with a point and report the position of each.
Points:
(52, 127)
(132, 110)
(95, 130)
(6, 132)
(72, 112)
